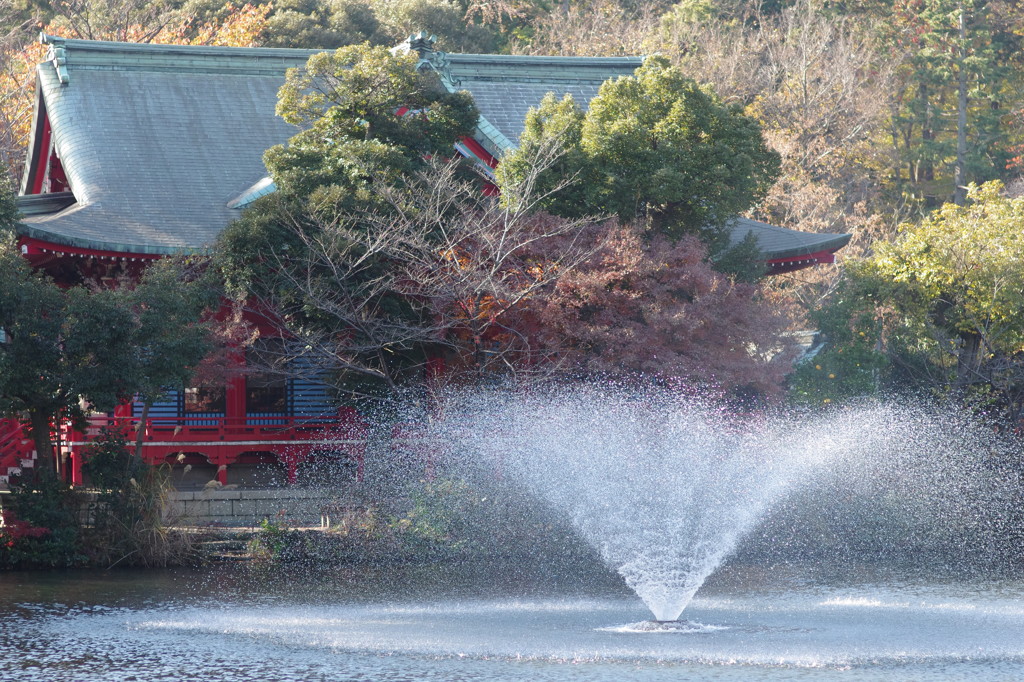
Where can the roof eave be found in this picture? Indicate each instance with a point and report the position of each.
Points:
(113, 47)
(830, 245)
(127, 250)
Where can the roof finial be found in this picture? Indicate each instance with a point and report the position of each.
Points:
(57, 55)
(422, 43)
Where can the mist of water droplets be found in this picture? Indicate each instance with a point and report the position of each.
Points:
(666, 485)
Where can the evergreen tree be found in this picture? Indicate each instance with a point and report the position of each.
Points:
(68, 350)
(653, 147)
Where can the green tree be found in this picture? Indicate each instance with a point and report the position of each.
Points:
(171, 330)
(448, 19)
(964, 267)
(655, 146)
(314, 23)
(59, 345)
(850, 363)
(68, 350)
(938, 308)
(373, 125)
(379, 249)
(366, 117)
(949, 120)
(31, 367)
(367, 114)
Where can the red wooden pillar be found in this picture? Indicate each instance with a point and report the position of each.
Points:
(292, 458)
(234, 410)
(72, 454)
(76, 467)
(234, 392)
(351, 428)
(218, 457)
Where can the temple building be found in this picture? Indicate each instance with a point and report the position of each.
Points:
(141, 151)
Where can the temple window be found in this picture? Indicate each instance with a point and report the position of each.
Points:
(204, 399)
(266, 387)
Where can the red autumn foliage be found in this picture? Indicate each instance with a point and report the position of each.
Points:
(13, 529)
(657, 307)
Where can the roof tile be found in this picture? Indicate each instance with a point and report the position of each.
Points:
(156, 140)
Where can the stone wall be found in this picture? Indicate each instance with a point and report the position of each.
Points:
(248, 507)
(242, 507)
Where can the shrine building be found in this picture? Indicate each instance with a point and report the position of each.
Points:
(141, 151)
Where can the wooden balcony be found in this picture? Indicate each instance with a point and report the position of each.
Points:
(222, 441)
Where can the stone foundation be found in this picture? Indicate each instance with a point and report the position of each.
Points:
(297, 507)
(291, 506)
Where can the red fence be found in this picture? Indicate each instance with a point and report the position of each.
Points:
(223, 440)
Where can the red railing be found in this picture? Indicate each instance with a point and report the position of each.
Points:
(222, 440)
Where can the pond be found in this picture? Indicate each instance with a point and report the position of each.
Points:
(861, 545)
(505, 622)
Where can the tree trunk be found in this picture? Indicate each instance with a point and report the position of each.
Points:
(925, 167)
(140, 432)
(45, 462)
(959, 175)
(968, 360)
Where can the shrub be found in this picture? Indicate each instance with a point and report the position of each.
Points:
(130, 522)
(41, 527)
(108, 461)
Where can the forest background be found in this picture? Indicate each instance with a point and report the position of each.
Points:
(881, 111)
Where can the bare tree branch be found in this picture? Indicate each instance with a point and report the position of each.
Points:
(439, 267)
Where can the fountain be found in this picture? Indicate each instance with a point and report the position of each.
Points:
(861, 544)
(665, 485)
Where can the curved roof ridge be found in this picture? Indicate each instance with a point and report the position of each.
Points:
(558, 60)
(114, 47)
(162, 143)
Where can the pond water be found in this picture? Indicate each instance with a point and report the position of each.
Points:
(241, 623)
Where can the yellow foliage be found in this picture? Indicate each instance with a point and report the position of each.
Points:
(242, 27)
(17, 94)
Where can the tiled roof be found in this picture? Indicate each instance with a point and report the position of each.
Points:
(162, 144)
(505, 87)
(155, 140)
(781, 242)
